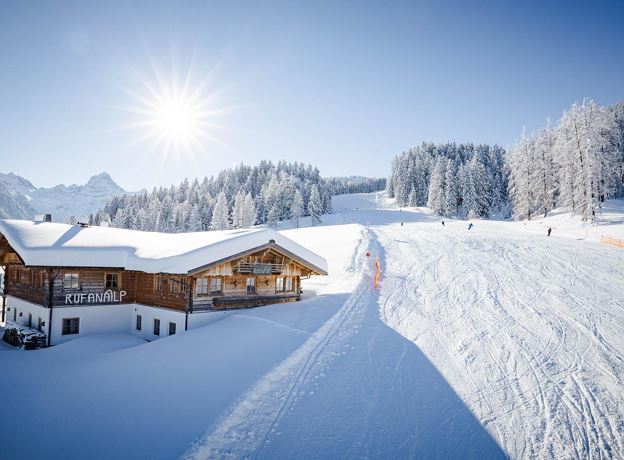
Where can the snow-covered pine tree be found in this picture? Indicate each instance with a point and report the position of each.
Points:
(315, 206)
(451, 189)
(587, 158)
(297, 207)
(412, 199)
(545, 181)
(435, 200)
(238, 210)
(220, 219)
(249, 212)
(521, 183)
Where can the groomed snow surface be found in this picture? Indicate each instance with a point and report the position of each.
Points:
(484, 343)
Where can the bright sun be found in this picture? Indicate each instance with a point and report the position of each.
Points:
(174, 117)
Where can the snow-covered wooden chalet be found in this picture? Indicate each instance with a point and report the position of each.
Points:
(72, 280)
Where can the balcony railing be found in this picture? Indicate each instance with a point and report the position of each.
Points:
(259, 269)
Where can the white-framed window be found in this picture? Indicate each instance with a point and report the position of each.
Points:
(158, 283)
(201, 286)
(288, 285)
(71, 326)
(112, 281)
(156, 327)
(279, 284)
(174, 285)
(71, 281)
(183, 285)
(216, 285)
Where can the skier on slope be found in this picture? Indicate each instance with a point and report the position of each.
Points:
(549, 230)
(442, 223)
(470, 226)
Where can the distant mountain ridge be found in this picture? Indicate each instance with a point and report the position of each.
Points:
(20, 199)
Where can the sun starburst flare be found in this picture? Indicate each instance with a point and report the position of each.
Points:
(174, 117)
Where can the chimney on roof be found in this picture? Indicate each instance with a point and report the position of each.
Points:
(272, 241)
(43, 218)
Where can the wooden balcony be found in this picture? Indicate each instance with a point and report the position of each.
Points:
(259, 269)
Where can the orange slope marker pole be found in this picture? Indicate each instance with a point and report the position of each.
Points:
(612, 241)
(378, 272)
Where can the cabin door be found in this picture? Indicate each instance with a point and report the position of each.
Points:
(251, 285)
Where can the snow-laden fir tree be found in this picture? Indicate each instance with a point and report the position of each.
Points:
(238, 210)
(315, 207)
(521, 160)
(577, 164)
(297, 207)
(412, 199)
(249, 212)
(415, 182)
(435, 201)
(451, 189)
(588, 158)
(190, 205)
(220, 219)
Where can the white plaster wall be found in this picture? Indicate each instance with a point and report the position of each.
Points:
(22, 306)
(94, 319)
(98, 319)
(148, 314)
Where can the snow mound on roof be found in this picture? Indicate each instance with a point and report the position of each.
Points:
(62, 245)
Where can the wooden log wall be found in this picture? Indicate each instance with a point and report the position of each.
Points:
(147, 294)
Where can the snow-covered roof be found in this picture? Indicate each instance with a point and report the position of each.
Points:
(62, 245)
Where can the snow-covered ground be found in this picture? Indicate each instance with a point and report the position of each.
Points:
(493, 342)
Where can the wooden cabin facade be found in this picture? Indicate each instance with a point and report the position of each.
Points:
(61, 299)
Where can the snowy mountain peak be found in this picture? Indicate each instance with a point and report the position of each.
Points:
(102, 180)
(22, 200)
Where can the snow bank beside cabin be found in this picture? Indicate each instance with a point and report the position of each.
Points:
(62, 245)
(117, 396)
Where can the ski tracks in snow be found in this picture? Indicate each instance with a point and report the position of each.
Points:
(254, 419)
(529, 332)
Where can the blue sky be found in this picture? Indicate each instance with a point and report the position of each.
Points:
(343, 85)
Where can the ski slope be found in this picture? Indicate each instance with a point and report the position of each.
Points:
(480, 344)
(489, 343)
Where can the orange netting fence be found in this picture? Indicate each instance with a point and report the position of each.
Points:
(612, 241)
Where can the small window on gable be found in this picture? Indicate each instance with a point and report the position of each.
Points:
(112, 281)
(71, 281)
